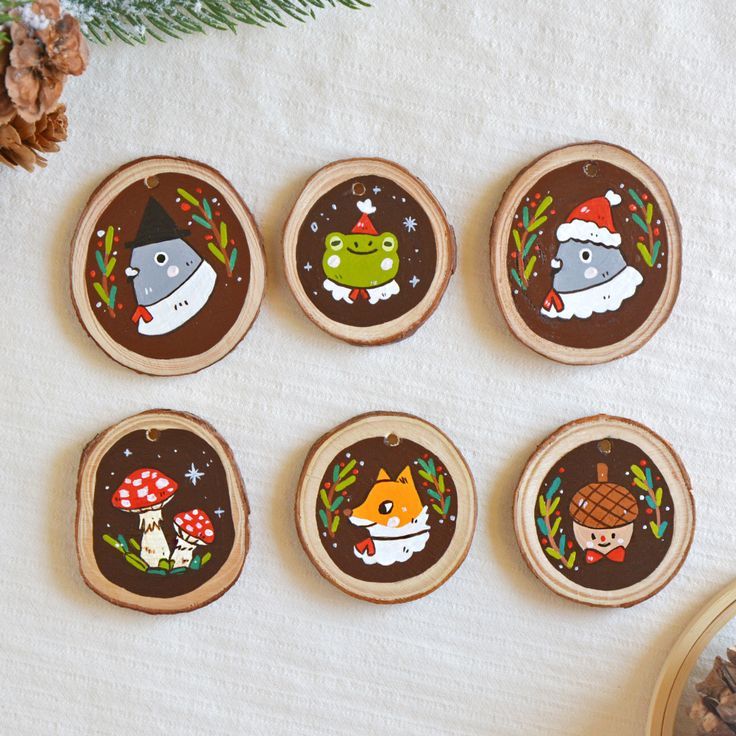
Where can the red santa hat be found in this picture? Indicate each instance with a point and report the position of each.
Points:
(592, 222)
(364, 226)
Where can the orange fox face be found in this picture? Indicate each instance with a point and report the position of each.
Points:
(390, 503)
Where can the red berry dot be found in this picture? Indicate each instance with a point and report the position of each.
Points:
(208, 237)
(536, 248)
(116, 239)
(217, 214)
(99, 244)
(328, 485)
(553, 212)
(649, 511)
(232, 242)
(656, 231)
(425, 484)
(537, 195)
(92, 274)
(185, 206)
(643, 463)
(439, 468)
(112, 278)
(344, 493)
(645, 197)
(544, 540)
(569, 545)
(342, 465)
(557, 513)
(632, 207)
(562, 470)
(198, 190)
(355, 472)
(534, 204)
(120, 306)
(425, 456)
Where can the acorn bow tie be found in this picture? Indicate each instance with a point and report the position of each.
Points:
(617, 554)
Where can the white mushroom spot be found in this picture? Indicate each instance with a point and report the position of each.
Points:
(143, 492)
(591, 272)
(386, 264)
(124, 493)
(137, 482)
(195, 511)
(208, 532)
(125, 504)
(187, 517)
(393, 521)
(162, 483)
(199, 526)
(151, 497)
(189, 528)
(333, 261)
(145, 473)
(179, 521)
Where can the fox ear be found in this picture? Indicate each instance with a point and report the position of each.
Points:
(383, 475)
(405, 476)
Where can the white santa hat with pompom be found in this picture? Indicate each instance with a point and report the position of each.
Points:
(592, 222)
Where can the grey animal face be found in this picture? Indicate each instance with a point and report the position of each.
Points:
(160, 268)
(582, 265)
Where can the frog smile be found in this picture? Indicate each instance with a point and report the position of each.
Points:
(362, 252)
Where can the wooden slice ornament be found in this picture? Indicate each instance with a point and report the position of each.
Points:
(167, 266)
(162, 517)
(386, 507)
(681, 661)
(586, 254)
(368, 251)
(603, 512)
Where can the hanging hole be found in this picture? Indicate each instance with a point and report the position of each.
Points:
(605, 447)
(391, 439)
(151, 182)
(153, 435)
(590, 169)
(358, 189)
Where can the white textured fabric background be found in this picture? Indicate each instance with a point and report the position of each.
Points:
(464, 94)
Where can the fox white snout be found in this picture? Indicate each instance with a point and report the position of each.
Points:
(131, 272)
(360, 522)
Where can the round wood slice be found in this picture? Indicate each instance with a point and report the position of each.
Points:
(161, 485)
(682, 659)
(596, 273)
(386, 507)
(603, 512)
(167, 266)
(368, 251)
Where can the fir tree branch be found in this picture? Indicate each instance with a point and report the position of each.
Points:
(134, 21)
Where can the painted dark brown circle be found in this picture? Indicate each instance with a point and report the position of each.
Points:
(570, 186)
(172, 453)
(124, 214)
(370, 456)
(397, 212)
(576, 470)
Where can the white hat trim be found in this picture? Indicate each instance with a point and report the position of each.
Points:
(587, 232)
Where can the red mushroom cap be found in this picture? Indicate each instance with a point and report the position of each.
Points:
(196, 524)
(144, 489)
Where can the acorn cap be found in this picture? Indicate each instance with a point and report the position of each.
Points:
(156, 226)
(603, 505)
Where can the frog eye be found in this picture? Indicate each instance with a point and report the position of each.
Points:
(161, 258)
(388, 243)
(334, 241)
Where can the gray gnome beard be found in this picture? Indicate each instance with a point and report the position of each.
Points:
(161, 269)
(580, 266)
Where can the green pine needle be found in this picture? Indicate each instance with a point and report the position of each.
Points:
(134, 21)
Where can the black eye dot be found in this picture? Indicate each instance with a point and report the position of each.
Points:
(613, 535)
(161, 258)
(385, 507)
(585, 255)
(592, 536)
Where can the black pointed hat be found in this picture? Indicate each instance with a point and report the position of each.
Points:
(156, 226)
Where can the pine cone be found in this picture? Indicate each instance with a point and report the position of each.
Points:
(715, 709)
(41, 56)
(21, 141)
(7, 109)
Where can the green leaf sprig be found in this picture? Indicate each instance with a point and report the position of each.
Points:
(106, 262)
(524, 241)
(642, 213)
(332, 494)
(435, 485)
(644, 480)
(555, 547)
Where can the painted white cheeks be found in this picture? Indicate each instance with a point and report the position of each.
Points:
(388, 242)
(335, 241)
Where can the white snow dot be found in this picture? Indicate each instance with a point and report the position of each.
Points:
(100, 233)
(313, 227)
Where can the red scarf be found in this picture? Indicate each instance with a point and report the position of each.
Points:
(141, 313)
(553, 298)
(355, 293)
(615, 555)
(366, 544)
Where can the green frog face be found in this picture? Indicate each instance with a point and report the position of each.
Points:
(361, 261)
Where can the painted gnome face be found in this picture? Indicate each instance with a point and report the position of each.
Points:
(395, 518)
(362, 264)
(171, 281)
(591, 274)
(162, 268)
(603, 516)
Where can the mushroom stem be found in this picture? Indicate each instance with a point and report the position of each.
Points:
(182, 556)
(154, 546)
